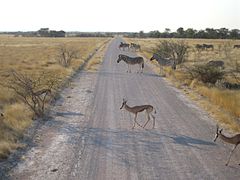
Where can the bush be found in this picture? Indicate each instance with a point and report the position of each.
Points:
(34, 92)
(66, 55)
(206, 73)
(174, 50)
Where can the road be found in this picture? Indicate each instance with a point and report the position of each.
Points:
(89, 137)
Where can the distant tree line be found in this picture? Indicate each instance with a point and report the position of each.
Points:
(43, 32)
(208, 33)
(90, 34)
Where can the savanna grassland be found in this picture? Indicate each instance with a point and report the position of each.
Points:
(223, 104)
(34, 57)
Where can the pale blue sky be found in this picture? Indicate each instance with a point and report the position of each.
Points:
(120, 15)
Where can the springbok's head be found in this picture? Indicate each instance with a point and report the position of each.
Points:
(119, 58)
(153, 57)
(123, 103)
(217, 133)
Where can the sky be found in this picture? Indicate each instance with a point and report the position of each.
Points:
(118, 15)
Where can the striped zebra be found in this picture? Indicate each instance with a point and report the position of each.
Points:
(123, 46)
(164, 62)
(132, 61)
(218, 63)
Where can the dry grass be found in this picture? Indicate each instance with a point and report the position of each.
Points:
(221, 104)
(32, 56)
(96, 60)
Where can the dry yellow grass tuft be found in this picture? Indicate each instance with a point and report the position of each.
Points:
(226, 99)
(96, 60)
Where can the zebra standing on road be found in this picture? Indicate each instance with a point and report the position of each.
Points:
(123, 46)
(132, 61)
(164, 62)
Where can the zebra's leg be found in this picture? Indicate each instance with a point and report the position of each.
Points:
(139, 68)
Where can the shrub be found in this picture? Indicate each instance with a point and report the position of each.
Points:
(174, 50)
(206, 73)
(34, 92)
(66, 55)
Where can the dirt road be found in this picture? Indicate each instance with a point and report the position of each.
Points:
(89, 137)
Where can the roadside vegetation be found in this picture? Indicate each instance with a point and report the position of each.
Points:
(216, 89)
(31, 73)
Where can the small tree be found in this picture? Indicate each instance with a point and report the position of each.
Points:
(66, 55)
(174, 50)
(35, 93)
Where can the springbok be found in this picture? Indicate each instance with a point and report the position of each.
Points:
(164, 62)
(231, 140)
(136, 109)
(132, 61)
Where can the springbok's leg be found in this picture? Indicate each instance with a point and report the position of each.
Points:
(153, 117)
(134, 121)
(231, 154)
(128, 68)
(148, 119)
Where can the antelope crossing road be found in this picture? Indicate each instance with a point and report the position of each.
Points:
(89, 137)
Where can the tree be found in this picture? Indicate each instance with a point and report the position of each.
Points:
(235, 34)
(141, 34)
(190, 33)
(154, 34)
(171, 49)
(180, 32)
(223, 33)
(211, 33)
(66, 55)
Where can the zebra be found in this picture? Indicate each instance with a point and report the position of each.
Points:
(123, 46)
(199, 47)
(218, 63)
(135, 46)
(204, 46)
(164, 62)
(236, 46)
(132, 61)
(208, 46)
